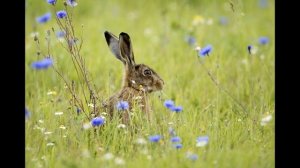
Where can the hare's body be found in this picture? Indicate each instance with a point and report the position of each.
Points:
(138, 81)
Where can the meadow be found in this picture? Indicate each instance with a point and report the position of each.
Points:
(227, 95)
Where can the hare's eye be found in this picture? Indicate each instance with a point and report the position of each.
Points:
(147, 72)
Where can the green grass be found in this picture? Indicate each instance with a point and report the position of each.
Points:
(158, 30)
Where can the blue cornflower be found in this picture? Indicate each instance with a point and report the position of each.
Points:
(42, 64)
(44, 18)
(223, 20)
(72, 3)
(97, 121)
(249, 48)
(52, 2)
(205, 51)
(176, 109)
(154, 138)
(192, 157)
(169, 103)
(177, 146)
(61, 14)
(175, 139)
(78, 110)
(202, 141)
(27, 113)
(122, 105)
(60, 34)
(172, 131)
(263, 3)
(190, 40)
(263, 40)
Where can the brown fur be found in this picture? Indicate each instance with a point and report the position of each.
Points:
(139, 80)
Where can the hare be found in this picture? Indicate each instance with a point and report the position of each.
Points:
(138, 81)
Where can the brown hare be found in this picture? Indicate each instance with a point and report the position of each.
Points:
(138, 81)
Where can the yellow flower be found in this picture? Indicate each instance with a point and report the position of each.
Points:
(198, 19)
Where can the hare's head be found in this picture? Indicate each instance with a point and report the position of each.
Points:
(137, 75)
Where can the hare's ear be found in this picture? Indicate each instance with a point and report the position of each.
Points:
(126, 48)
(113, 44)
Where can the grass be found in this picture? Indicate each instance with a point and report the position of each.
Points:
(158, 30)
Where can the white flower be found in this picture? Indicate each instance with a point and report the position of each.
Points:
(119, 161)
(87, 126)
(50, 144)
(62, 127)
(51, 93)
(121, 126)
(265, 120)
(41, 121)
(141, 141)
(108, 156)
(48, 133)
(198, 48)
(91, 105)
(58, 113)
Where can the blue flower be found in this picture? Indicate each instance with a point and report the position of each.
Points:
(223, 20)
(78, 110)
(60, 34)
(97, 121)
(42, 64)
(263, 40)
(202, 141)
(61, 14)
(27, 113)
(249, 48)
(263, 3)
(172, 131)
(169, 103)
(205, 51)
(44, 18)
(72, 3)
(192, 157)
(122, 105)
(190, 40)
(52, 2)
(154, 138)
(177, 146)
(175, 139)
(176, 109)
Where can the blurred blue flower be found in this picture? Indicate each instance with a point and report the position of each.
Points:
(172, 131)
(192, 157)
(61, 14)
(169, 103)
(175, 139)
(205, 51)
(190, 40)
(154, 138)
(42, 64)
(122, 105)
(27, 113)
(223, 20)
(176, 109)
(202, 141)
(52, 2)
(263, 40)
(44, 18)
(263, 3)
(249, 48)
(72, 3)
(78, 110)
(97, 121)
(60, 34)
(177, 146)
